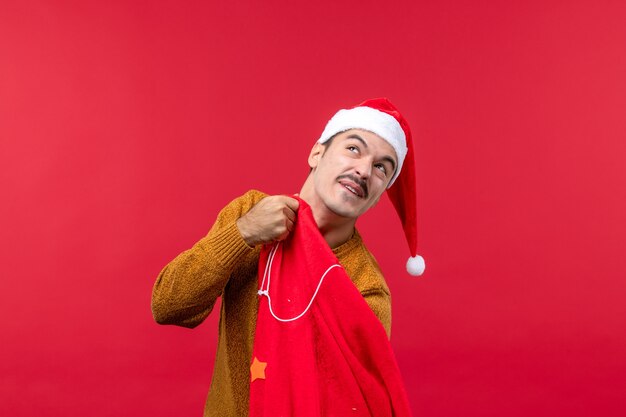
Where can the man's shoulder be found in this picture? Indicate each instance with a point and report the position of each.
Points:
(246, 201)
(253, 196)
(238, 207)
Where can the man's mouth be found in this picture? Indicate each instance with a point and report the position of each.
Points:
(354, 185)
(352, 190)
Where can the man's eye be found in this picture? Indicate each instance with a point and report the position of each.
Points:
(382, 168)
(353, 148)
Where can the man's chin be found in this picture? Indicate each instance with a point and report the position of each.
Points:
(346, 209)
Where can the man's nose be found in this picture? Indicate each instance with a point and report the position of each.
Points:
(364, 168)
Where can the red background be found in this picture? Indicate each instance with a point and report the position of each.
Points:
(126, 126)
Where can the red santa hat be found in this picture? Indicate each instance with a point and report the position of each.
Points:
(381, 117)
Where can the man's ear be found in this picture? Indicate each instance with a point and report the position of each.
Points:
(315, 155)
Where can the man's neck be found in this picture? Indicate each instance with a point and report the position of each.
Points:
(335, 229)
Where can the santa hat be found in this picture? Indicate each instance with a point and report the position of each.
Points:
(381, 117)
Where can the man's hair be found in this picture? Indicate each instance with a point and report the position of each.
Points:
(329, 142)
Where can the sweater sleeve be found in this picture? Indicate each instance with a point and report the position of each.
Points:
(188, 287)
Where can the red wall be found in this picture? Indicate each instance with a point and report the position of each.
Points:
(126, 126)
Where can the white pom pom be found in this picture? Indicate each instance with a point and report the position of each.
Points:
(415, 266)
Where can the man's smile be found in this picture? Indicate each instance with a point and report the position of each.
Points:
(354, 184)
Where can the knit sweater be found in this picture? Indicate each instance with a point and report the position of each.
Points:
(222, 264)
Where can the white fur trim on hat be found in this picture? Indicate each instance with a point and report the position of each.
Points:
(372, 120)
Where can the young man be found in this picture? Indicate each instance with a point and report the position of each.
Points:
(359, 155)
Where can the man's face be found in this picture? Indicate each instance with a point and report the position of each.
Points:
(351, 173)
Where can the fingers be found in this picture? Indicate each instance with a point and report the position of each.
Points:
(292, 203)
(281, 233)
(271, 219)
(290, 223)
(289, 214)
(288, 207)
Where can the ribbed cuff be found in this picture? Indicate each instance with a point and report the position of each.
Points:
(229, 244)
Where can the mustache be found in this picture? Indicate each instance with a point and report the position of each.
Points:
(357, 181)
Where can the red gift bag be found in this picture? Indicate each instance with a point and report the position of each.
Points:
(319, 350)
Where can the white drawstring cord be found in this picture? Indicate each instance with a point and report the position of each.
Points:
(268, 274)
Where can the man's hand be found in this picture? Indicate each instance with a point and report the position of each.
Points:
(270, 220)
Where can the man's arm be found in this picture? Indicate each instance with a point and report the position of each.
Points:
(187, 288)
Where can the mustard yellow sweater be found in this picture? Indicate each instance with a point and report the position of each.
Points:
(222, 264)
